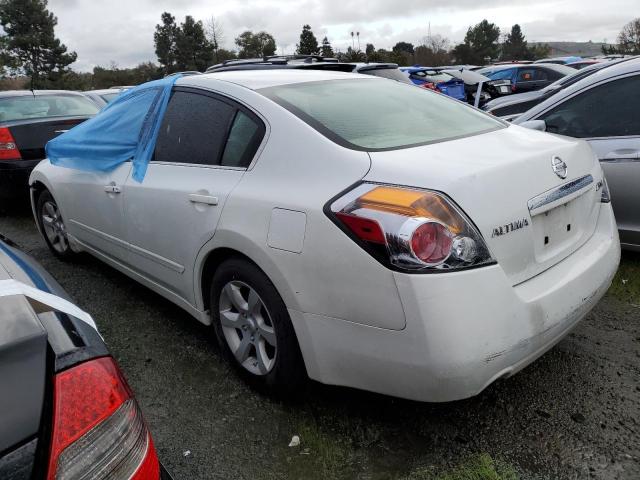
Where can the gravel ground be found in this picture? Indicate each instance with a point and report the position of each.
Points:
(575, 413)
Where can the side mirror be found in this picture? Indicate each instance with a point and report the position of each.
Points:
(539, 125)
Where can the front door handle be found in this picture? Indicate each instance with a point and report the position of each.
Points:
(206, 199)
(112, 189)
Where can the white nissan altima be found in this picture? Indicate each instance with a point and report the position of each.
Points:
(353, 229)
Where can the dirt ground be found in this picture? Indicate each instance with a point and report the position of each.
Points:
(575, 413)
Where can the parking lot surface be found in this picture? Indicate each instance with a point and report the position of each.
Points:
(575, 413)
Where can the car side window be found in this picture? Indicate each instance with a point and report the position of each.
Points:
(501, 74)
(525, 75)
(608, 110)
(541, 75)
(243, 142)
(193, 130)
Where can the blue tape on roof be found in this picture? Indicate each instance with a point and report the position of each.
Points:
(126, 129)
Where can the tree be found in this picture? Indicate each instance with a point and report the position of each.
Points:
(539, 50)
(629, 38)
(434, 51)
(515, 46)
(308, 44)
(404, 47)
(164, 39)
(255, 45)
(193, 50)
(31, 44)
(327, 50)
(215, 35)
(480, 44)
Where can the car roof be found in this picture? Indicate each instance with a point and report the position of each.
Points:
(36, 93)
(103, 91)
(269, 77)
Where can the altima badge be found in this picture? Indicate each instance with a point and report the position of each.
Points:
(559, 167)
(510, 227)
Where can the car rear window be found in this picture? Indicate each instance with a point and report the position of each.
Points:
(43, 106)
(373, 115)
(110, 97)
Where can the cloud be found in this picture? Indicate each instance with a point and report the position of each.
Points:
(121, 31)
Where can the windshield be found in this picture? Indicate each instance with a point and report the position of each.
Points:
(375, 115)
(43, 106)
(390, 73)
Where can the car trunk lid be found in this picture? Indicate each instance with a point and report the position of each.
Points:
(32, 135)
(529, 216)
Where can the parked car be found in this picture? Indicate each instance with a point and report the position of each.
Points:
(350, 229)
(313, 62)
(515, 105)
(525, 78)
(437, 80)
(65, 407)
(102, 97)
(603, 109)
(560, 60)
(28, 120)
(580, 64)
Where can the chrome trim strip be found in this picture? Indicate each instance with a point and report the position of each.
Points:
(559, 193)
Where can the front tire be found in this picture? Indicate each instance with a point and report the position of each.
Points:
(53, 227)
(253, 328)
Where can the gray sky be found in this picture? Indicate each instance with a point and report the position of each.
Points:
(121, 31)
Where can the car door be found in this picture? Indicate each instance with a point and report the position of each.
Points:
(205, 144)
(94, 205)
(606, 115)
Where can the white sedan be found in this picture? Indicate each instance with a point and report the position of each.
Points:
(359, 231)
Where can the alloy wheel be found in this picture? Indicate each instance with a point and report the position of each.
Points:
(54, 227)
(247, 327)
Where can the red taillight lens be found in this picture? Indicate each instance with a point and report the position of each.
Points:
(366, 229)
(98, 430)
(8, 148)
(431, 242)
(429, 86)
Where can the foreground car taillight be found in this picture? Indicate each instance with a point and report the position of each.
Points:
(8, 147)
(410, 229)
(98, 429)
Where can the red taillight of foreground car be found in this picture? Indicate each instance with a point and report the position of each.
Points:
(410, 229)
(8, 147)
(98, 429)
(430, 86)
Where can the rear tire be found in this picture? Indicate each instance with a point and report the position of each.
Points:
(52, 227)
(252, 326)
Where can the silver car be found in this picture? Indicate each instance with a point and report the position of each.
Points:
(603, 109)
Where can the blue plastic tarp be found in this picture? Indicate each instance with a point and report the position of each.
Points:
(126, 129)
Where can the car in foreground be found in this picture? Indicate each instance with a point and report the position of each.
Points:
(527, 77)
(66, 410)
(437, 80)
(359, 231)
(103, 96)
(28, 120)
(602, 109)
(515, 105)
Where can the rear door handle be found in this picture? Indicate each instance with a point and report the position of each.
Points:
(112, 189)
(206, 199)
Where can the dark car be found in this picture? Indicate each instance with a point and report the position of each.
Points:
(28, 120)
(525, 78)
(511, 107)
(314, 62)
(66, 410)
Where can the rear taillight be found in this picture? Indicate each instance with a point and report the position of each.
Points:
(429, 86)
(8, 148)
(410, 229)
(98, 429)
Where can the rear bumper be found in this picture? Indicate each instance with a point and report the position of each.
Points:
(464, 329)
(14, 177)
